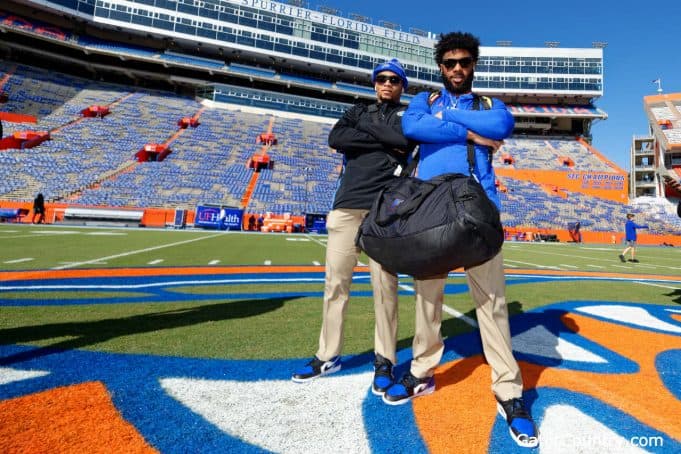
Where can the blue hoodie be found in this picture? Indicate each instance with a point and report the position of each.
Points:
(443, 146)
(630, 230)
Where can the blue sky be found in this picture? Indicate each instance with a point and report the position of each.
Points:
(643, 44)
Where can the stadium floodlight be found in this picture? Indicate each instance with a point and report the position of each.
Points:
(418, 32)
(360, 18)
(599, 44)
(390, 25)
(328, 10)
(504, 43)
(552, 43)
(298, 3)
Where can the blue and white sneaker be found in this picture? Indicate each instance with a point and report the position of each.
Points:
(407, 388)
(520, 423)
(383, 375)
(316, 368)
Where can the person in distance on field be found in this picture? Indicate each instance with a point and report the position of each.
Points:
(630, 237)
(374, 152)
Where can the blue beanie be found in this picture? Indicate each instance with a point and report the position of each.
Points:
(394, 66)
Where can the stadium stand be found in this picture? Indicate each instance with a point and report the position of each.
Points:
(550, 177)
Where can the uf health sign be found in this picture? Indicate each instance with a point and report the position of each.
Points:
(216, 217)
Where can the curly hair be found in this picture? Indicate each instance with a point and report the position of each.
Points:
(457, 40)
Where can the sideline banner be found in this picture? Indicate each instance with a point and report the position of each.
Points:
(218, 217)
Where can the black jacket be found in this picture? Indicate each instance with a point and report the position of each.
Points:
(371, 140)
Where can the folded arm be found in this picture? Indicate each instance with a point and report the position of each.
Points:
(419, 124)
(496, 123)
(345, 135)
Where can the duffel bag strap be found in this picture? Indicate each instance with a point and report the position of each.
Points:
(470, 146)
(412, 164)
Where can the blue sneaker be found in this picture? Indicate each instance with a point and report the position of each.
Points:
(383, 375)
(407, 388)
(316, 368)
(520, 423)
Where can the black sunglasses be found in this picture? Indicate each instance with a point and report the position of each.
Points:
(394, 80)
(451, 63)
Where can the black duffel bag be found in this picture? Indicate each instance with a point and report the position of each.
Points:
(426, 228)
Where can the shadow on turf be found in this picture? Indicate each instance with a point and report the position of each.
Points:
(676, 295)
(464, 341)
(84, 334)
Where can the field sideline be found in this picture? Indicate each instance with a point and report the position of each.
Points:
(170, 340)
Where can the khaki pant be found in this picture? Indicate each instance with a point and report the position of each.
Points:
(487, 287)
(341, 258)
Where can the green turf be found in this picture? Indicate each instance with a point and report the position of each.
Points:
(212, 326)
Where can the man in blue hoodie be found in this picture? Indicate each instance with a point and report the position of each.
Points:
(630, 237)
(443, 123)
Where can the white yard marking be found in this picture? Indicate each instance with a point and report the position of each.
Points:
(107, 233)
(214, 262)
(315, 240)
(532, 264)
(568, 266)
(162, 284)
(268, 262)
(586, 434)
(316, 263)
(450, 310)
(297, 239)
(463, 317)
(627, 314)
(155, 262)
(139, 251)
(26, 259)
(657, 285)
(595, 266)
(320, 416)
(9, 375)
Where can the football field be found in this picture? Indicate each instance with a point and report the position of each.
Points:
(184, 341)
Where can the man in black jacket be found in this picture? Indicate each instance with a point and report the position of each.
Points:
(374, 152)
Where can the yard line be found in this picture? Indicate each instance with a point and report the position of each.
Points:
(313, 239)
(406, 287)
(597, 258)
(139, 251)
(155, 262)
(268, 262)
(568, 266)
(622, 266)
(657, 285)
(450, 310)
(532, 264)
(26, 259)
(595, 266)
(463, 317)
(214, 262)
(316, 263)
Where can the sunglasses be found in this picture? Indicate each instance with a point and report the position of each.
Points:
(394, 80)
(451, 63)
